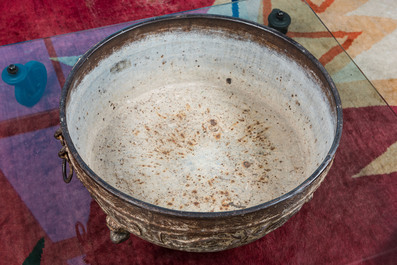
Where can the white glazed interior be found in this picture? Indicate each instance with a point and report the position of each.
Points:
(200, 122)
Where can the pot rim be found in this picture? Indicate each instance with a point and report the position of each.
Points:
(151, 207)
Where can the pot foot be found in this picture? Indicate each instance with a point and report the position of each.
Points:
(118, 237)
(117, 233)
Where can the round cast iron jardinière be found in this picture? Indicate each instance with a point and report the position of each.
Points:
(199, 132)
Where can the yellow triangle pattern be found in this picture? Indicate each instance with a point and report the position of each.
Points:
(384, 164)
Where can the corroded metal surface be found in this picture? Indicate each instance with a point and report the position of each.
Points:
(190, 233)
(199, 133)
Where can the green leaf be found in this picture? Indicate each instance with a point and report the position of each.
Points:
(34, 257)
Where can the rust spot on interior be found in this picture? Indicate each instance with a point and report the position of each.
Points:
(241, 139)
(194, 191)
(204, 128)
(213, 122)
(225, 203)
(263, 180)
(218, 136)
(196, 203)
(171, 140)
(181, 115)
(161, 116)
(246, 164)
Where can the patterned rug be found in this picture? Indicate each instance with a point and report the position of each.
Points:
(372, 28)
(366, 29)
(350, 220)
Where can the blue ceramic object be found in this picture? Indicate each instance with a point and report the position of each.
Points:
(29, 80)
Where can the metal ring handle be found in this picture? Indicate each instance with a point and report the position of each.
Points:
(63, 154)
(71, 171)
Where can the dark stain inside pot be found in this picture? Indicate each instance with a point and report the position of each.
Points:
(173, 134)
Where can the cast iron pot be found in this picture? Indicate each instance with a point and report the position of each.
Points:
(198, 132)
